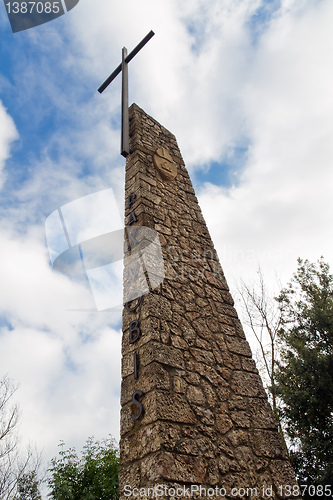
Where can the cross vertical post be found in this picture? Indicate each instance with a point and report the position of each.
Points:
(124, 107)
(123, 67)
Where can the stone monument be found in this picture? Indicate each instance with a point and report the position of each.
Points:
(195, 419)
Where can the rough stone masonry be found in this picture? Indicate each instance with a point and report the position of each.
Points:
(195, 419)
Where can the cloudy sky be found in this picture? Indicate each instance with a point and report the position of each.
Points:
(246, 87)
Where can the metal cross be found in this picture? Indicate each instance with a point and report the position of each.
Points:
(123, 67)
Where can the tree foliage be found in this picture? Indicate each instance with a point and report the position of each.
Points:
(28, 487)
(93, 476)
(305, 373)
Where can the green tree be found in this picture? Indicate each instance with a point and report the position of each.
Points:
(28, 487)
(93, 476)
(305, 373)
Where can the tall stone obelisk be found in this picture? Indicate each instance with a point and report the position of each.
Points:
(195, 417)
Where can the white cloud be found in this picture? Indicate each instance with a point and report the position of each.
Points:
(282, 207)
(67, 363)
(8, 134)
(66, 392)
(31, 293)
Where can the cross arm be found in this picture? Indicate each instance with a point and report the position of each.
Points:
(127, 60)
(110, 79)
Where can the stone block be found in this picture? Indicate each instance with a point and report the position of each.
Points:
(203, 356)
(237, 403)
(150, 331)
(153, 376)
(213, 474)
(157, 405)
(268, 444)
(247, 384)
(179, 385)
(192, 378)
(283, 475)
(249, 365)
(149, 439)
(209, 393)
(129, 474)
(223, 420)
(173, 467)
(150, 352)
(241, 418)
(195, 395)
(238, 437)
(238, 346)
(262, 416)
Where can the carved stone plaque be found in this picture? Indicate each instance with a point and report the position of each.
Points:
(165, 164)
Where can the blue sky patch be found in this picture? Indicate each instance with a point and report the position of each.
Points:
(224, 173)
(260, 20)
(4, 323)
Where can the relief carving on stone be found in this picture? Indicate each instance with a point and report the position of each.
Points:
(165, 164)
